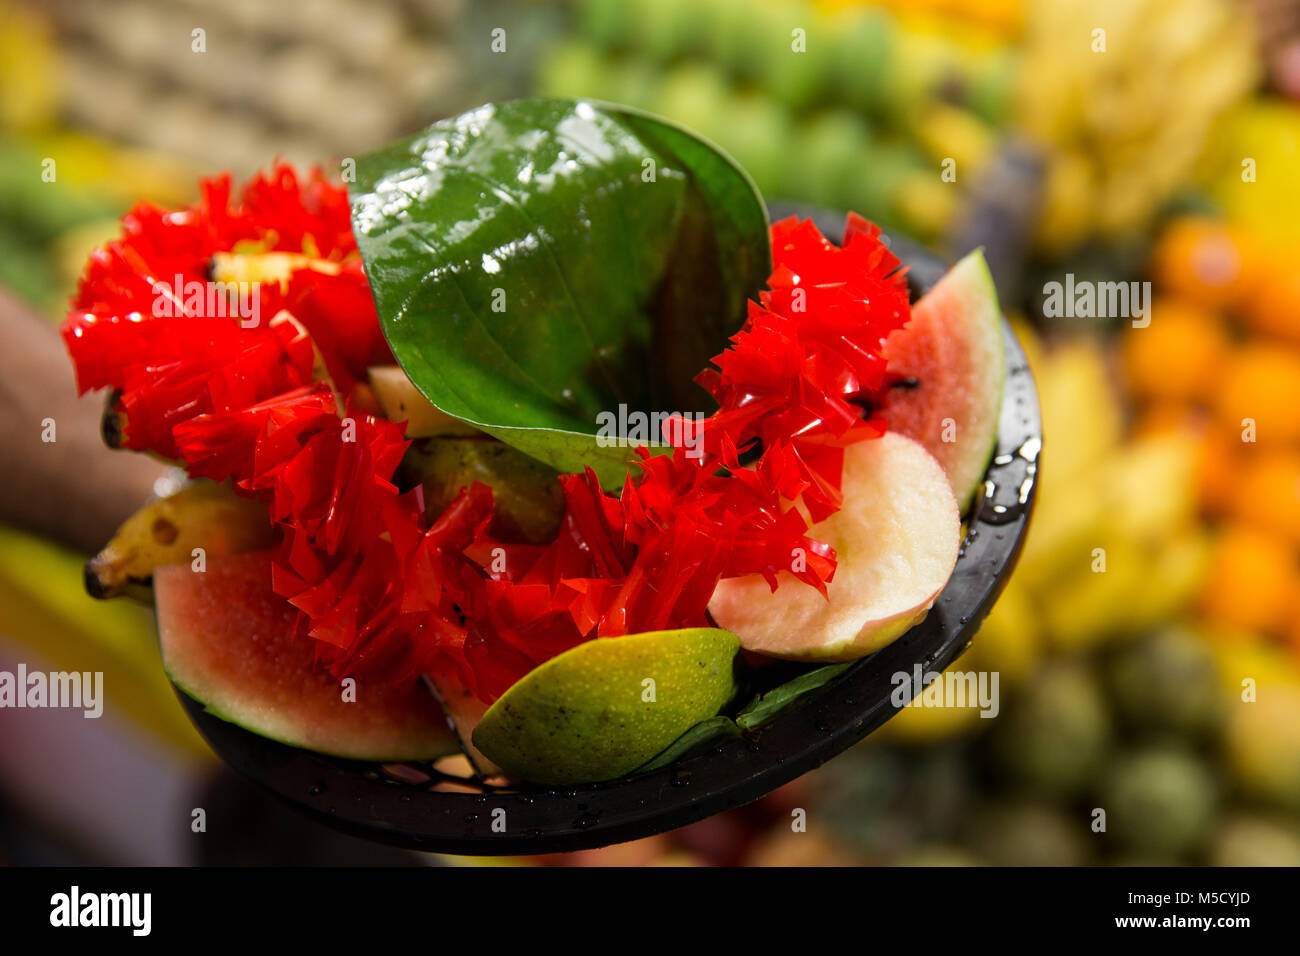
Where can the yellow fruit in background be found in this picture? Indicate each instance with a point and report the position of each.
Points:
(1258, 151)
(927, 203)
(1178, 354)
(1081, 412)
(1241, 655)
(918, 724)
(1252, 582)
(1010, 639)
(1139, 111)
(949, 132)
(1260, 383)
(122, 172)
(1030, 341)
(1263, 743)
(1009, 643)
(48, 614)
(28, 69)
(1150, 488)
(1089, 606)
(1068, 214)
(1177, 574)
(1268, 493)
(1207, 261)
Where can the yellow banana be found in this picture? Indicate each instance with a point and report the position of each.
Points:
(203, 515)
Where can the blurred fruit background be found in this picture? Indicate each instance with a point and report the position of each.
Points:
(1148, 649)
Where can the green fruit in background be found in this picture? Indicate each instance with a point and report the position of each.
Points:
(26, 271)
(694, 94)
(887, 802)
(573, 69)
(940, 855)
(609, 23)
(992, 85)
(665, 29)
(1158, 802)
(834, 149)
(750, 38)
(1256, 841)
(719, 21)
(879, 182)
(922, 66)
(1028, 833)
(633, 82)
(857, 796)
(800, 61)
(605, 707)
(759, 134)
(1055, 738)
(864, 44)
(1167, 683)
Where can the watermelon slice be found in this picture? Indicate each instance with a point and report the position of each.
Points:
(228, 642)
(951, 361)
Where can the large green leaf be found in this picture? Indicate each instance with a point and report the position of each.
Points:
(536, 263)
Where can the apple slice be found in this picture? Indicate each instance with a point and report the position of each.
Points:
(401, 401)
(896, 538)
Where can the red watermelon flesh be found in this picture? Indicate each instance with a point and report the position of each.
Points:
(228, 641)
(950, 356)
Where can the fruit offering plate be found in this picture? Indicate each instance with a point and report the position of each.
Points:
(421, 807)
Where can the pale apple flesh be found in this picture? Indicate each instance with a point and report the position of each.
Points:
(896, 539)
(401, 401)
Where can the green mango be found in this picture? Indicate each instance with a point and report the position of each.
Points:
(604, 708)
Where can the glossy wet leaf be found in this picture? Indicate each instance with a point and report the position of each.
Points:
(539, 262)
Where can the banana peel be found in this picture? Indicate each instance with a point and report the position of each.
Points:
(202, 516)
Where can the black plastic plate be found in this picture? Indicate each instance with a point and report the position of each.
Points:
(399, 806)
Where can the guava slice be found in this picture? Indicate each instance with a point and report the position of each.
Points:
(604, 708)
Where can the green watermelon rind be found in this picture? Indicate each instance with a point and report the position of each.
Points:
(447, 748)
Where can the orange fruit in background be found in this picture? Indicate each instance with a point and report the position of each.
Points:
(1268, 492)
(1218, 462)
(1208, 261)
(1163, 415)
(1178, 354)
(1261, 381)
(1252, 581)
(1273, 307)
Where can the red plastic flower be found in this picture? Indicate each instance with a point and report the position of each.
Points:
(385, 588)
(790, 384)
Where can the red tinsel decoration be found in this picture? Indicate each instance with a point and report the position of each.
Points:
(386, 589)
